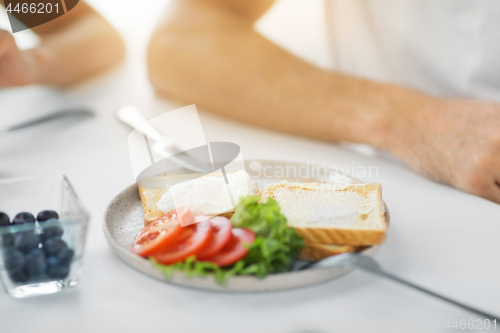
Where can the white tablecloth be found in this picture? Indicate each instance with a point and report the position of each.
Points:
(439, 237)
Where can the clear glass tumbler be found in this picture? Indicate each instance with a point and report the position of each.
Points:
(30, 263)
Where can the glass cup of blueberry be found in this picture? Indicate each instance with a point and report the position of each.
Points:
(41, 254)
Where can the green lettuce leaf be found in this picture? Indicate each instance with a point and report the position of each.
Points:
(274, 250)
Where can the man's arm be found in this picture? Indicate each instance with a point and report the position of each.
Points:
(74, 46)
(207, 52)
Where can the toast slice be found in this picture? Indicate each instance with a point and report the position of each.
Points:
(317, 251)
(340, 214)
(151, 190)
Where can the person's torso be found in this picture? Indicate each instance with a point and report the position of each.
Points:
(443, 47)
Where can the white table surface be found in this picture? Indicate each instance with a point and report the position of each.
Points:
(439, 237)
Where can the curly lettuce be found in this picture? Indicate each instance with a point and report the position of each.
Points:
(274, 250)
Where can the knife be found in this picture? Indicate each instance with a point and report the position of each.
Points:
(51, 116)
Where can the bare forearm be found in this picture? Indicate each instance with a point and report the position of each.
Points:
(83, 48)
(234, 71)
(207, 52)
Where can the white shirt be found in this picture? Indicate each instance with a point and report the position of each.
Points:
(448, 48)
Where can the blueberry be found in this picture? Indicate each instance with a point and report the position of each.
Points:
(51, 228)
(53, 245)
(57, 271)
(53, 264)
(7, 240)
(46, 215)
(53, 261)
(4, 219)
(65, 255)
(23, 217)
(19, 277)
(35, 264)
(14, 260)
(26, 241)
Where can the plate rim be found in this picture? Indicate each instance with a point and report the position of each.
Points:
(149, 270)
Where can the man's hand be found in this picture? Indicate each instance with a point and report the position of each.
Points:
(452, 141)
(74, 46)
(17, 68)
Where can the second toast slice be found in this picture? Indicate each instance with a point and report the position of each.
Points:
(340, 214)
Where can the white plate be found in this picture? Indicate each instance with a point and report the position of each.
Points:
(123, 219)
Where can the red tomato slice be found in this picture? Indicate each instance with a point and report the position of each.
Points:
(221, 227)
(235, 249)
(191, 241)
(157, 235)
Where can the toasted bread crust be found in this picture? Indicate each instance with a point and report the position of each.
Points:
(317, 251)
(356, 237)
(149, 198)
(336, 235)
(151, 212)
(151, 190)
(362, 189)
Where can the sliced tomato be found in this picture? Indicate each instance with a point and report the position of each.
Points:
(157, 235)
(191, 241)
(221, 234)
(235, 248)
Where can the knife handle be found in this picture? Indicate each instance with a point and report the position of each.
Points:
(132, 117)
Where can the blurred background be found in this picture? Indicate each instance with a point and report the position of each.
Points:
(296, 25)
